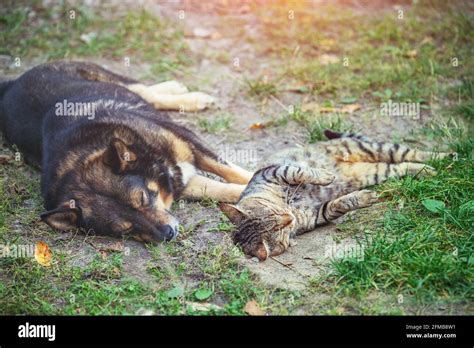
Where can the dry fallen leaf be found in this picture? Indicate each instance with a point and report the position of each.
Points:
(257, 125)
(103, 255)
(216, 35)
(350, 108)
(203, 33)
(202, 307)
(427, 40)
(411, 54)
(327, 43)
(326, 59)
(106, 245)
(252, 308)
(311, 106)
(5, 158)
(117, 246)
(42, 254)
(324, 110)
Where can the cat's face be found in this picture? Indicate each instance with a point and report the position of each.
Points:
(261, 232)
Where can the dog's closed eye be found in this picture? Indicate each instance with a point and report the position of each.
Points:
(140, 198)
(144, 200)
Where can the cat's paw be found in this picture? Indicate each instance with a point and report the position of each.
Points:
(367, 197)
(292, 242)
(427, 171)
(321, 177)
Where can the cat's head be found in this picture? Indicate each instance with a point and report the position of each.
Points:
(262, 231)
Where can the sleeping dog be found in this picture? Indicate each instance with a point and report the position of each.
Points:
(110, 161)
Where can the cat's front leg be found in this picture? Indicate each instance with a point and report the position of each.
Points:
(335, 208)
(294, 174)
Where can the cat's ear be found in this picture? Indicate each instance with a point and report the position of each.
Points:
(234, 214)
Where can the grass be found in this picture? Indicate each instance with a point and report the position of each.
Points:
(261, 87)
(408, 250)
(408, 56)
(55, 33)
(412, 251)
(216, 125)
(315, 124)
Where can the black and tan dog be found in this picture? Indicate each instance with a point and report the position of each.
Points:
(110, 161)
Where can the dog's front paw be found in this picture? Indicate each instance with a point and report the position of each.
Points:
(196, 101)
(168, 87)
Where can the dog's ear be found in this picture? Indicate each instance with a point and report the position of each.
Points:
(63, 218)
(234, 214)
(118, 156)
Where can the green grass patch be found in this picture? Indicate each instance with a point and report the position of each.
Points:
(62, 31)
(216, 125)
(423, 246)
(408, 55)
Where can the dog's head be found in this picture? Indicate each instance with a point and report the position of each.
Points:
(121, 189)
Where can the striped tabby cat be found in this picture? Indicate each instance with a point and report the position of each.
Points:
(301, 189)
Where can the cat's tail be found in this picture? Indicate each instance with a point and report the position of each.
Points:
(330, 134)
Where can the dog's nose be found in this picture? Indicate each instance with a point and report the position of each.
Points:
(169, 232)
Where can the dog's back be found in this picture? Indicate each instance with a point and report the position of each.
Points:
(31, 99)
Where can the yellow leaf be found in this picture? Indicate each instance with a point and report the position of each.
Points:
(350, 108)
(257, 125)
(252, 308)
(42, 254)
(327, 43)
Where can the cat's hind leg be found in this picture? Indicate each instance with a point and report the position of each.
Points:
(365, 174)
(359, 150)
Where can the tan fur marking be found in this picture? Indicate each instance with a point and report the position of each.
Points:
(182, 150)
(152, 186)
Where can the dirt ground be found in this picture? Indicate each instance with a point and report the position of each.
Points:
(225, 80)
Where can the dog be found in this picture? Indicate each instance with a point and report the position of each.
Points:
(110, 161)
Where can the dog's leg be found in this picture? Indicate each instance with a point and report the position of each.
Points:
(199, 187)
(169, 87)
(193, 101)
(228, 171)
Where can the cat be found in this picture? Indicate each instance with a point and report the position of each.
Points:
(301, 189)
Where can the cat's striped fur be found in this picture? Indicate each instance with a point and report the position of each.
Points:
(303, 188)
